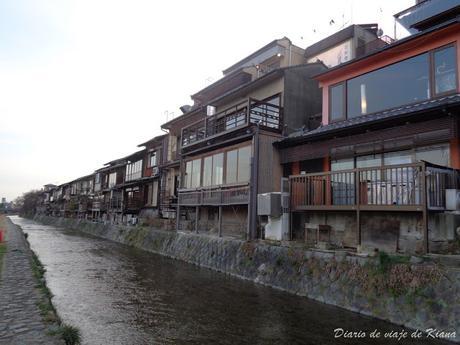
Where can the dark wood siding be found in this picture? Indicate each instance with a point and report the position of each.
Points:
(270, 169)
(395, 138)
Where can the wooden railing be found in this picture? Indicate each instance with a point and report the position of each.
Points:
(403, 187)
(269, 116)
(134, 203)
(215, 196)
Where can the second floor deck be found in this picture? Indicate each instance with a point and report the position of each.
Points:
(406, 187)
(267, 115)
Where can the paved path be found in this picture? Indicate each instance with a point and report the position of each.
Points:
(20, 319)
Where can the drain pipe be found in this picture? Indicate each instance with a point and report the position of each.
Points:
(254, 186)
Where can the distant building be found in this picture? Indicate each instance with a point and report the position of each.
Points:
(3, 200)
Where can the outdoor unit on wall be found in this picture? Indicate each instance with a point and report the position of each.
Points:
(276, 207)
(453, 199)
(154, 171)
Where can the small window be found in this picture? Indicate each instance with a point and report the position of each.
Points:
(445, 72)
(153, 159)
(337, 102)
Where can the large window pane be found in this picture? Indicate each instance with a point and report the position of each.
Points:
(196, 173)
(445, 72)
(217, 168)
(232, 166)
(369, 161)
(207, 171)
(398, 84)
(244, 164)
(336, 102)
(188, 174)
(396, 158)
(439, 155)
(342, 164)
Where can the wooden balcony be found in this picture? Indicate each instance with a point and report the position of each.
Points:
(242, 115)
(134, 203)
(406, 187)
(221, 196)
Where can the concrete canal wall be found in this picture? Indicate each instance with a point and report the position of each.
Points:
(409, 291)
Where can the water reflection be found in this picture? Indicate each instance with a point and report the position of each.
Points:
(120, 295)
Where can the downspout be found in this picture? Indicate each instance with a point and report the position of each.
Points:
(254, 185)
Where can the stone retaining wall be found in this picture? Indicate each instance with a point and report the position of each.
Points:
(413, 292)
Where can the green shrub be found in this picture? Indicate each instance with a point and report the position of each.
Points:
(70, 335)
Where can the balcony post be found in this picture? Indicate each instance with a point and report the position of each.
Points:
(177, 215)
(220, 222)
(197, 216)
(426, 246)
(357, 204)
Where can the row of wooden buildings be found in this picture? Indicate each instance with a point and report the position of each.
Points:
(351, 142)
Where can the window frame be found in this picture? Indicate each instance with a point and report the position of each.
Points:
(431, 79)
(433, 93)
(202, 157)
(344, 102)
(151, 155)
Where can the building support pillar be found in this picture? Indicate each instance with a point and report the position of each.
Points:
(197, 217)
(220, 222)
(177, 217)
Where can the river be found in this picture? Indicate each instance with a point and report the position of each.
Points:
(116, 294)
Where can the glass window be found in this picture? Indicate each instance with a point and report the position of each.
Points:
(401, 83)
(368, 161)
(207, 171)
(153, 159)
(188, 174)
(232, 166)
(196, 173)
(342, 164)
(399, 157)
(244, 164)
(336, 102)
(112, 179)
(439, 155)
(445, 73)
(217, 168)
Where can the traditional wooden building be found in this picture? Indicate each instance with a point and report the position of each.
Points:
(227, 156)
(142, 181)
(376, 172)
(107, 205)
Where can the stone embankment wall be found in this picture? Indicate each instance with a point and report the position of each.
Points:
(414, 292)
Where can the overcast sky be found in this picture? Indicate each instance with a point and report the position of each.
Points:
(84, 82)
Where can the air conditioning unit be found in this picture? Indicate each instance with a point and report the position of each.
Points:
(155, 171)
(453, 199)
(269, 204)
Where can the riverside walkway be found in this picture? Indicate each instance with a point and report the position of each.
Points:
(20, 320)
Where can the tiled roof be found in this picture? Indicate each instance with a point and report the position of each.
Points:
(375, 117)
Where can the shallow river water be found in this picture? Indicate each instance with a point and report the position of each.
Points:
(116, 294)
